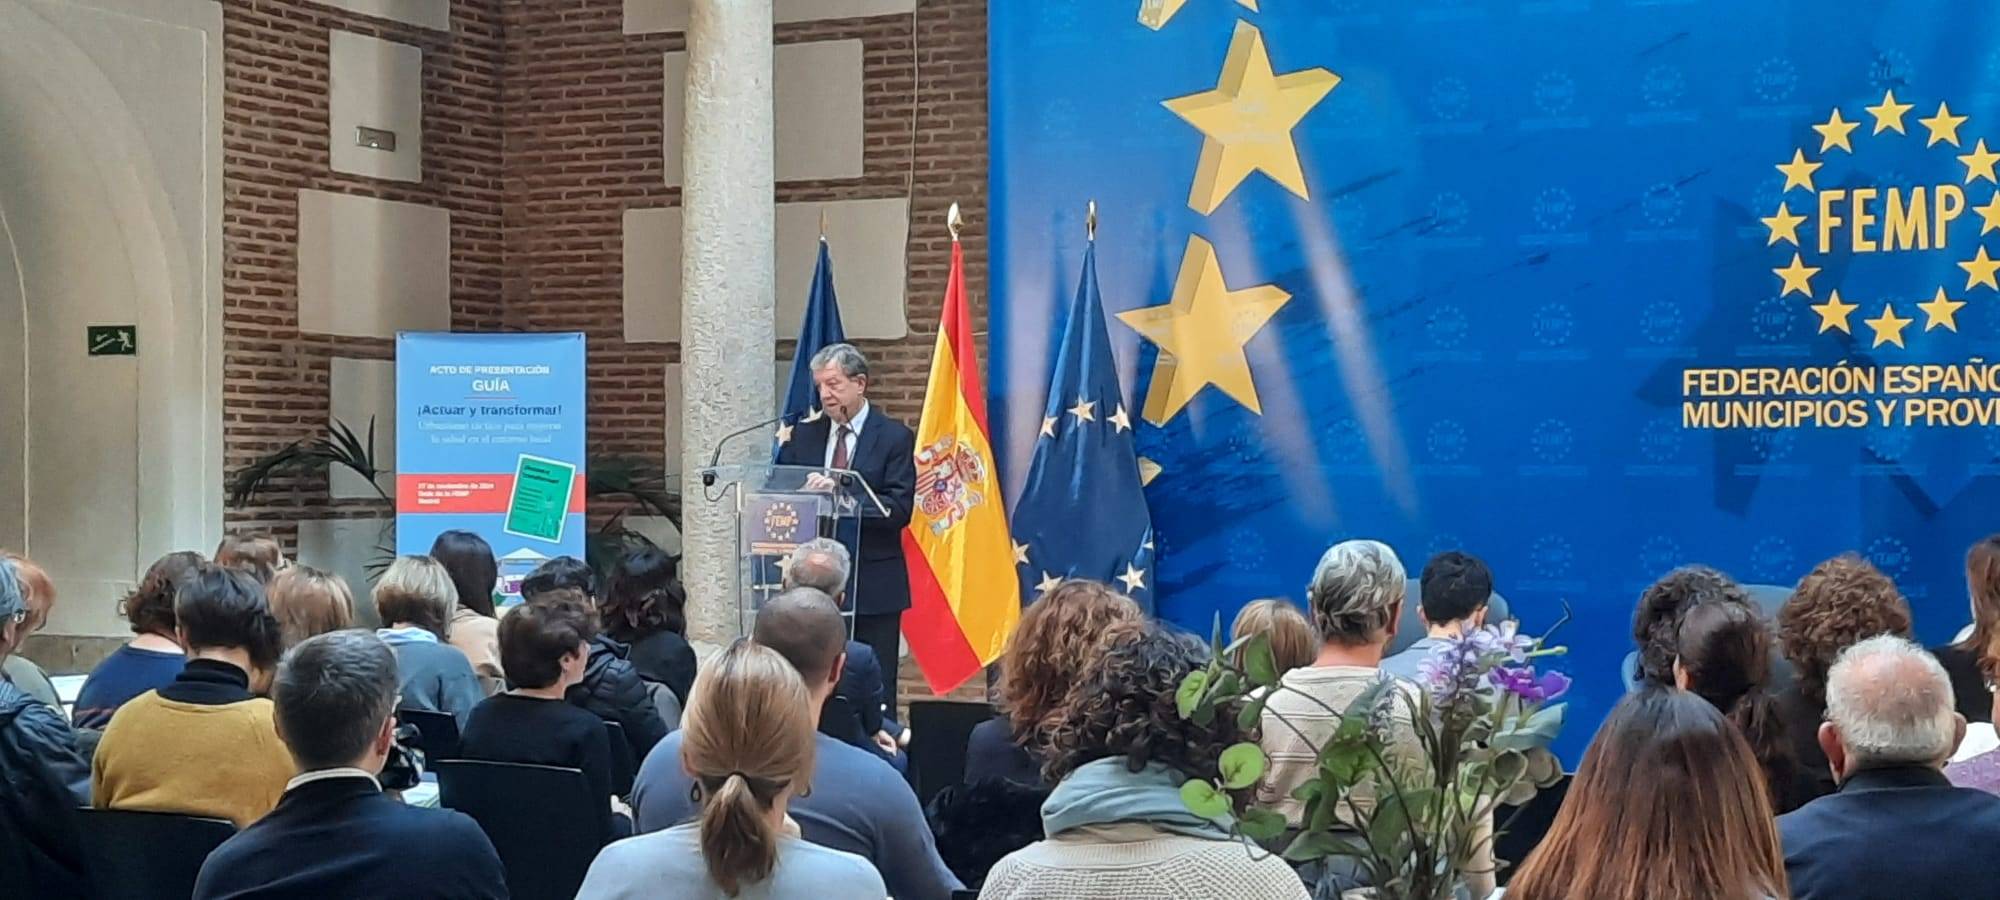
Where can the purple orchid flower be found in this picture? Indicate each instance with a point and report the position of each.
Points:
(1523, 682)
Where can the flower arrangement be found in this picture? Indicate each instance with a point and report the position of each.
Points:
(1406, 786)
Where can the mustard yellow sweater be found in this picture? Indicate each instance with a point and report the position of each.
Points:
(161, 755)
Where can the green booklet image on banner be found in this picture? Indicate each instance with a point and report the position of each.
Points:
(541, 498)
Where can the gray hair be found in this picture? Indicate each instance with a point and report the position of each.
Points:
(1356, 591)
(12, 601)
(1892, 703)
(846, 356)
(821, 563)
(331, 695)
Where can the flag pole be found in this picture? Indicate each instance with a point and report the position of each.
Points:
(1090, 223)
(822, 224)
(954, 221)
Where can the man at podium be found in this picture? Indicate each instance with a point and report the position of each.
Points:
(849, 433)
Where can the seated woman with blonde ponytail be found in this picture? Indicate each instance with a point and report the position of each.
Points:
(748, 743)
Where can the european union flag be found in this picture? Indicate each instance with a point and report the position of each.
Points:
(820, 329)
(1083, 512)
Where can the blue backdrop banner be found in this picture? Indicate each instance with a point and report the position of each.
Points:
(1588, 288)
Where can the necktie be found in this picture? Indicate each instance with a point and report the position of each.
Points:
(840, 437)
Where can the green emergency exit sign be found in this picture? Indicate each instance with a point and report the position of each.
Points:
(113, 340)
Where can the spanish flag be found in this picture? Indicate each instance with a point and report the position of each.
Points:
(964, 592)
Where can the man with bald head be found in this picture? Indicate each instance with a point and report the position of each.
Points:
(857, 802)
(1897, 828)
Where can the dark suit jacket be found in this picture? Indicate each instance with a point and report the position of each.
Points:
(885, 455)
(1892, 834)
(343, 837)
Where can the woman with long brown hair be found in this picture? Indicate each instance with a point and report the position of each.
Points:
(1973, 662)
(1056, 636)
(748, 742)
(1724, 657)
(1668, 805)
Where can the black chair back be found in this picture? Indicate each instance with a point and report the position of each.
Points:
(841, 720)
(1525, 826)
(543, 821)
(437, 732)
(938, 732)
(623, 767)
(142, 855)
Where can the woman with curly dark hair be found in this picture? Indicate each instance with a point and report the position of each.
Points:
(645, 607)
(1656, 623)
(1056, 637)
(151, 660)
(1838, 604)
(1119, 752)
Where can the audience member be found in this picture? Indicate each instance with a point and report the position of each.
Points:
(203, 745)
(1656, 623)
(824, 564)
(40, 595)
(1840, 602)
(414, 600)
(1057, 636)
(611, 686)
(148, 661)
(1976, 768)
(259, 554)
(309, 602)
(978, 823)
(856, 802)
(1725, 658)
(645, 607)
(42, 776)
(1973, 662)
(1116, 824)
(542, 649)
(1897, 828)
(1356, 597)
(1455, 588)
(1669, 804)
(468, 559)
(335, 833)
(1293, 644)
(748, 746)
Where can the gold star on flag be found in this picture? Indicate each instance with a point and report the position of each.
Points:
(814, 415)
(1888, 328)
(1120, 419)
(1941, 310)
(1943, 126)
(1990, 212)
(1134, 578)
(1047, 584)
(1155, 14)
(1201, 334)
(1979, 163)
(1834, 133)
(1784, 226)
(1798, 172)
(1797, 276)
(1084, 410)
(1833, 313)
(1980, 269)
(1148, 470)
(784, 433)
(1020, 553)
(1248, 120)
(1049, 425)
(1889, 115)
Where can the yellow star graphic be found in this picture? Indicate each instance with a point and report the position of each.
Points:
(1020, 552)
(1120, 419)
(1980, 269)
(1784, 226)
(1155, 14)
(1888, 328)
(1943, 126)
(1047, 584)
(1979, 163)
(1834, 133)
(1889, 115)
(1990, 212)
(784, 433)
(1201, 333)
(1833, 313)
(1797, 276)
(1134, 578)
(1049, 425)
(1248, 119)
(1941, 310)
(1798, 172)
(1084, 410)
(1148, 470)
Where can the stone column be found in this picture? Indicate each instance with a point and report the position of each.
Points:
(727, 332)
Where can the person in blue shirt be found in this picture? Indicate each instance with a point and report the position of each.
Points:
(1452, 601)
(147, 662)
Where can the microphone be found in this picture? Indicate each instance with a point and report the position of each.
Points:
(708, 477)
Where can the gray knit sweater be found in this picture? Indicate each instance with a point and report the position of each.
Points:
(1136, 861)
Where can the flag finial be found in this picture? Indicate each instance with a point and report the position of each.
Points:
(1090, 222)
(954, 221)
(822, 224)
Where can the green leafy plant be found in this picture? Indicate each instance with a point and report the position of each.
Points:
(1407, 782)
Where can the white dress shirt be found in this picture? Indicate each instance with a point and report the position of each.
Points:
(853, 437)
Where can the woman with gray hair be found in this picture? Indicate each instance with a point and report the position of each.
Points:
(42, 776)
(415, 599)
